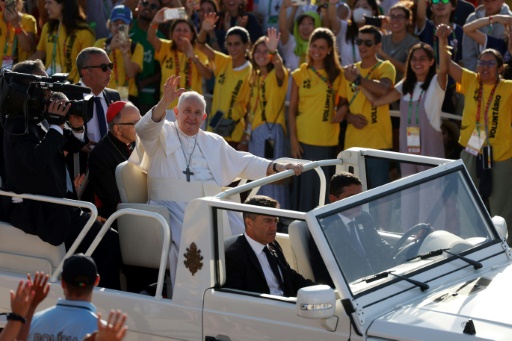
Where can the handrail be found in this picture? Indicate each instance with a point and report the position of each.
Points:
(67, 202)
(166, 240)
(308, 165)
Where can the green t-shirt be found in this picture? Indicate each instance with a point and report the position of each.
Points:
(150, 65)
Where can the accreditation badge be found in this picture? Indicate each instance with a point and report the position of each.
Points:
(7, 62)
(476, 141)
(123, 92)
(413, 140)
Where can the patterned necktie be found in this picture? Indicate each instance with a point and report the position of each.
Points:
(272, 261)
(100, 113)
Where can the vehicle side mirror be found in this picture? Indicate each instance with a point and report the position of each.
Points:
(501, 226)
(316, 302)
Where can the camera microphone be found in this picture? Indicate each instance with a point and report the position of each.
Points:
(66, 88)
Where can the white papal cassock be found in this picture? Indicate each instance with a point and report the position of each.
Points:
(163, 151)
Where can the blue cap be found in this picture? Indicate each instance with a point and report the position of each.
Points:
(121, 12)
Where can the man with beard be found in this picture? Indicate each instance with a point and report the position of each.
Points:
(148, 81)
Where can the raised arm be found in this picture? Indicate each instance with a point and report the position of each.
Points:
(421, 14)
(471, 29)
(153, 27)
(204, 70)
(271, 41)
(40, 288)
(26, 40)
(332, 14)
(208, 25)
(377, 101)
(445, 62)
(283, 22)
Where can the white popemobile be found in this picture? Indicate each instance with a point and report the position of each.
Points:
(449, 277)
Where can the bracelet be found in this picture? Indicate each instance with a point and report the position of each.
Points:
(18, 30)
(272, 53)
(357, 81)
(15, 317)
(153, 25)
(274, 168)
(490, 20)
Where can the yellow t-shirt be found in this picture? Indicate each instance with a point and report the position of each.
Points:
(118, 77)
(377, 133)
(231, 92)
(7, 36)
(166, 57)
(61, 53)
(315, 108)
(499, 115)
(267, 94)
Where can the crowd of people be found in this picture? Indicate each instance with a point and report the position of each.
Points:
(284, 79)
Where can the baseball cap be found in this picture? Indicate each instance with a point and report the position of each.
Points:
(114, 109)
(121, 12)
(79, 270)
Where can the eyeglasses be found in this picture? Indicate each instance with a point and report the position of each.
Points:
(397, 17)
(489, 63)
(151, 6)
(368, 43)
(435, 2)
(127, 123)
(103, 67)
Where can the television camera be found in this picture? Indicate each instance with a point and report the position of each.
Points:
(27, 96)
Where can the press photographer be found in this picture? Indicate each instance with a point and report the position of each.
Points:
(34, 143)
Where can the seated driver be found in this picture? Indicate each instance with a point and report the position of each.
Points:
(255, 262)
(352, 235)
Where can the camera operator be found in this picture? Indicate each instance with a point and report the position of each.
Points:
(35, 163)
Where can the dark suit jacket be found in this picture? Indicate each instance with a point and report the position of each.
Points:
(378, 252)
(35, 164)
(111, 96)
(244, 272)
(104, 158)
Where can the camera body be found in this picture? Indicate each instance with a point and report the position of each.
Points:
(26, 96)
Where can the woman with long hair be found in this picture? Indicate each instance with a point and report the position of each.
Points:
(232, 73)
(346, 31)
(266, 126)
(420, 108)
(485, 129)
(179, 56)
(64, 35)
(313, 130)
(295, 32)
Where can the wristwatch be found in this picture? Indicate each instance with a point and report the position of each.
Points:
(357, 81)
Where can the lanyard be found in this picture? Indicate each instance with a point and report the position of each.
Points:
(54, 51)
(367, 77)
(417, 108)
(486, 112)
(187, 70)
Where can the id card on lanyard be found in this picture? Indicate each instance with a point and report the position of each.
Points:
(413, 132)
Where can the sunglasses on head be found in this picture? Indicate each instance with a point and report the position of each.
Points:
(151, 6)
(368, 43)
(435, 2)
(103, 67)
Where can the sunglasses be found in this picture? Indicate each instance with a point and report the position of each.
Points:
(435, 2)
(103, 67)
(368, 43)
(151, 6)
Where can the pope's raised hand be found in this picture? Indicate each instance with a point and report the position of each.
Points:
(171, 90)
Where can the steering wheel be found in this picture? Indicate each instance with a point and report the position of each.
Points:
(421, 231)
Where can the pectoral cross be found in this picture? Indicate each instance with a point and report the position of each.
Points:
(188, 173)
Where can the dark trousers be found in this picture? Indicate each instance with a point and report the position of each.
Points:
(107, 254)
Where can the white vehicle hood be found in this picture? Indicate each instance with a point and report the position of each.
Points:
(486, 300)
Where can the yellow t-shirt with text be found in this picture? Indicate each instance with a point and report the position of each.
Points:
(231, 92)
(377, 133)
(167, 59)
(118, 76)
(8, 38)
(62, 49)
(268, 97)
(499, 116)
(315, 109)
